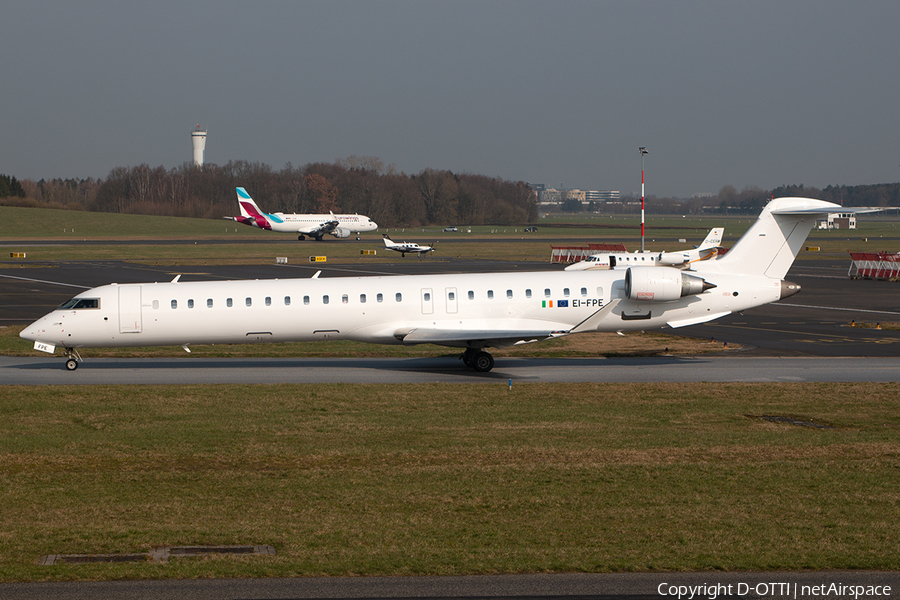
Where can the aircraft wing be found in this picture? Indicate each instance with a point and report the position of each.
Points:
(478, 338)
(499, 338)
(320, 229)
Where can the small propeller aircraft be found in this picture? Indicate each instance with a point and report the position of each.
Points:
(404, 247)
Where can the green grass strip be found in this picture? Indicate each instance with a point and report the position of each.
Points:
(450, 479)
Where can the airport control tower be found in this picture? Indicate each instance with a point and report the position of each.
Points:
(198, 139)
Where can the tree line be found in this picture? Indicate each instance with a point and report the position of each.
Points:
(354, 185)
(363, 185)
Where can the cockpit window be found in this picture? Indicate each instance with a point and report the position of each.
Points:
(76, 303)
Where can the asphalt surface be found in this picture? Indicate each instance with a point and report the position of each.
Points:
(815, 322)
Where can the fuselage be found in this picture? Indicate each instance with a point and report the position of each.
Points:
(304, 223)
(375, 309)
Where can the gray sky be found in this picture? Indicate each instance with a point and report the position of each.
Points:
(721, 93)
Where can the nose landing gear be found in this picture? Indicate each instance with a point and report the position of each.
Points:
(479, 360)
(72, 359)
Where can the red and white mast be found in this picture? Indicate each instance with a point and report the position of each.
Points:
(643, 152)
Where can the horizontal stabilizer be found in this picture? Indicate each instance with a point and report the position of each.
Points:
(824, 210)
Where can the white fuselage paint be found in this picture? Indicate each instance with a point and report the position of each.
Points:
(298, 223)
(374, 309)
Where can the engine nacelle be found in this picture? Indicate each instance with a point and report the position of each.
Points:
(672, 258)
(341, 232)
(662, 284)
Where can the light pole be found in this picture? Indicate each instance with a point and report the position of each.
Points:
(643, 152)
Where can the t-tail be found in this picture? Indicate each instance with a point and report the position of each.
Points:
(772, 243)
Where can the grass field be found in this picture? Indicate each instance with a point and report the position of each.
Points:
(441, 479)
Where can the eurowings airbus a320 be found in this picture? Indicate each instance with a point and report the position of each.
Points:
(471, 311)
(314, 226)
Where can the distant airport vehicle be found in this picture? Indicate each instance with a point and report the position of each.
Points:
(314, 226)
(451, 229)
(471, 311)
(707, 249)
(530, 229)
(404, 247)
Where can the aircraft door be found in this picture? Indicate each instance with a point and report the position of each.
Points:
(451, 300)
(427, 301)
(612, 262)
(130, 309)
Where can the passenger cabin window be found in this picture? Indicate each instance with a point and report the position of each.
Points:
(451, 296)
(174, 303)
(566, 292)
(248, 301)
(490, 294)
(546, 292)
(528, 293)
(509, 294)
(287, 300)
(362, 298)
(345, 299)
(191, 303)
(471, 295)
(379, 297)
(427, 297)
(209, 303)
(325, 299)
(305, 299)
(584, 291)
(229, 302)
(268, 300)
(398, 297)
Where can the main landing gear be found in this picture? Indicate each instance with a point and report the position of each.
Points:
(72, 359)
(479, 360)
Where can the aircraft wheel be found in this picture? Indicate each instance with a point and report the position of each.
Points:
(318, 238)
(71, 364)
(483, 362)
(301, 237)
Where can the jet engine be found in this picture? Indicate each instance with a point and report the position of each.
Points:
(341, 232)
(672, 258)
(662, 284)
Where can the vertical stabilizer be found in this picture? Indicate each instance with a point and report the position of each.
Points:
(246, 203)
(772, 243)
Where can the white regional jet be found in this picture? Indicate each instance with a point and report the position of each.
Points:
(472, 311)
(707, 249)
(404, 247)
(315, 226)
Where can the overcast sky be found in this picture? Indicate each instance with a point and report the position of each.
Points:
(563, 93)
